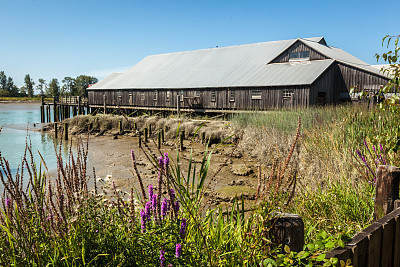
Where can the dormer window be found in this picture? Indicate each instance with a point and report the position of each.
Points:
(299, 56)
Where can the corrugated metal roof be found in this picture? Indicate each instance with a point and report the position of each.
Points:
(234, 66)
(105, 83)
(340, 55)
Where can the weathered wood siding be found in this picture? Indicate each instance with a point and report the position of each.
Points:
(357, 77)
(298, 47)
(271, 98)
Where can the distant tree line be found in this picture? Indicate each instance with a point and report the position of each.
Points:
(70, 86)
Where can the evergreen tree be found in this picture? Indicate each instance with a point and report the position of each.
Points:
(82, 82)
(29, 85)
(3, 81)
(41, 86)
(54, 88)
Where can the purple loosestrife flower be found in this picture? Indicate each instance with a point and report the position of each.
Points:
(162, 258)
(166, 160)
(151, 188)
(143, 220)
(160, 177)
(8, 202)
(172, 195)
(164, 207)
(147, 211)
(178, 250)
(182, 232)
(176, 206)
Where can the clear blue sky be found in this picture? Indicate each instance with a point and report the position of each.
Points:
(57, 38)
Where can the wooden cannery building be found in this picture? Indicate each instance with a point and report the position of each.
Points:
(279, 74)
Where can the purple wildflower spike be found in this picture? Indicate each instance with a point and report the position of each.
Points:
(164, 207)
(178, 251)
(143, 220)
(154, 202)
(176, 206)
(182, 232)
(151, 191)
(147, 210)
(162, 258)
(8, 202)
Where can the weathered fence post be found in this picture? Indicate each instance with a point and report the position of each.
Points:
(105, 105)
(288, 229)
(146, 134)
(56, 130)
(65, 131)
(139, 138)
(181, 138)
(120, 127)
(159, 139)
(79, 105)
(387, 189)
(42, 118)
(162, 135)
(55, 110)
(178, 105)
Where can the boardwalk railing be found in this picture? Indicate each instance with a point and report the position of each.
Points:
(378, 244)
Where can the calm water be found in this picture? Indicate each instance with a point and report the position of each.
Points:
(19, 121)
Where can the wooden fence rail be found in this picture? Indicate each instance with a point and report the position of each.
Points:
(378, 244)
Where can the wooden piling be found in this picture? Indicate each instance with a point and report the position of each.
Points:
(79, 105)
(120, 127)
(178, 105)
(159, 139)
(139, 138)
(105, 105)
(42, 114)
(55, 110)
(162, 135)
(48, 114)
(150, 131)
(146, 131)
(55, 130)
(181, 138)
(387, 190)
(65, 131)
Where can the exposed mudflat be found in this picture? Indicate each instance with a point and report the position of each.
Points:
(230, 174)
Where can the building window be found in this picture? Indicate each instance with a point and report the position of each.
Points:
(168, 95)
(181, 95)
(155, 95)
(255, 94)
(197, 94)
(288, 93)
(130, 99)
(299, 56)
(142, 96)
(231, 95)
(213, 96)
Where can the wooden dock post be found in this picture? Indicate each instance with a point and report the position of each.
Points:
(105, 105)
(55, 117)
(181, 138)
(387, 190)
(79, 105)
(162, 135)
(55, 130)
(139, 138)
(159, 139)
(120, 127)
(48, 114)
(42, 116)
(146, 131)
(65, 131)
(178, 105)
